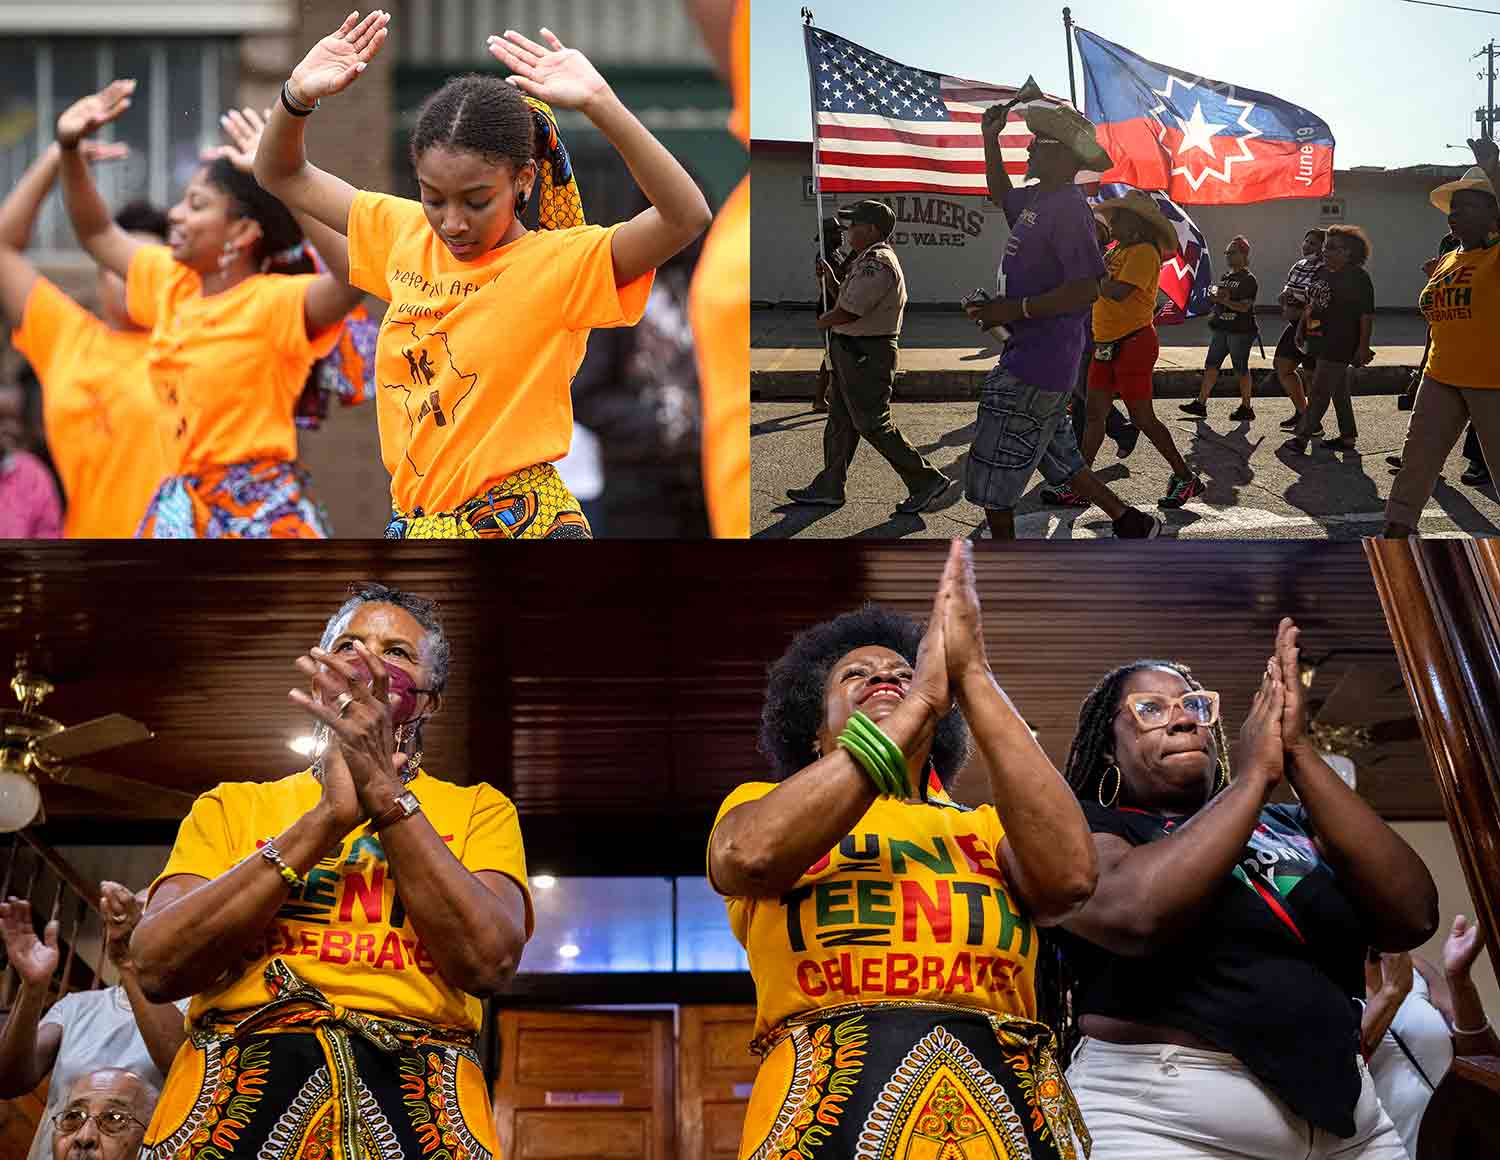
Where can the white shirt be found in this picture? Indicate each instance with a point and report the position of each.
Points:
(1401, 1087)
(98, 1030)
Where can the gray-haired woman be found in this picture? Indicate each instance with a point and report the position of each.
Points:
(332, 1014)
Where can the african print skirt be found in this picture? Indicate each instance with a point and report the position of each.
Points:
(911, 1081)
(301, 1079)
(257, 499)
(531, 504)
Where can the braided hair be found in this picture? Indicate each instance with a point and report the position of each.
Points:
(796, 684)
(280, 248)
(477, 113)
(1085, 770)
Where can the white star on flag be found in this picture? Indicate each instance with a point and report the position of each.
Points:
(1198, 133)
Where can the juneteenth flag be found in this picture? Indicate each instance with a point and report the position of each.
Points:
(1200, 141)
(1185, 275)
(882, 127)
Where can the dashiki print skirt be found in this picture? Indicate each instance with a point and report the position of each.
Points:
(301, 1079)
(531, 504)
(257, 499)
(911, 1081)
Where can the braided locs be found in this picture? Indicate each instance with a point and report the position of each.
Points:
(1086, 766)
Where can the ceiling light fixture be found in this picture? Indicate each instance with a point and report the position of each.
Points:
(569, 951)
(543, 881)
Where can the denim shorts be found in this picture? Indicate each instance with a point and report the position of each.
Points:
(1236, 346)
(1021, 429)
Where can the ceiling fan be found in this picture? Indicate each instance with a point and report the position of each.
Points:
(1365, 715)
(35, 750)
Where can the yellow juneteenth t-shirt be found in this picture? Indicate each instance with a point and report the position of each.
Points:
(1140, 266)
(912, 904)
(1461, 303)
(347, 931)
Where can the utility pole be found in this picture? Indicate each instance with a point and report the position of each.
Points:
(1487, 115)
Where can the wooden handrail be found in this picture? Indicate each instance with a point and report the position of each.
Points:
(88, 891)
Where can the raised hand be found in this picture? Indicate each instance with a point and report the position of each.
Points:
(34, 959)
(122, 911)
(563, 77)
(1486, 154)
(93, 151)
(963, 633)
(243, 127)
(88, 114)
(356, 707)
(1461, 947)
(1261, 750)
(929, 680)
(336, 61)
(1294, 698)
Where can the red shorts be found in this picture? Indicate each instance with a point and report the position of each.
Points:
(1128, 374)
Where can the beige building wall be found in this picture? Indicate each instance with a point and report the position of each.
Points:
(950, 245)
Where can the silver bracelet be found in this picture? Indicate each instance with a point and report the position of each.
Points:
(1480, 1030)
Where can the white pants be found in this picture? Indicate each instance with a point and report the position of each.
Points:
(1160, 1102)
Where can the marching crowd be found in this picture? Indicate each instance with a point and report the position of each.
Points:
(1076, 313)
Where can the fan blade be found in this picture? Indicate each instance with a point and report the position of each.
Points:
(92, 736)
(1364, 683)
(163, 802)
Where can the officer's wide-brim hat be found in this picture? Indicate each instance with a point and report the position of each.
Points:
(1074, 131)
(1476, 178)
(869, 212)
(1145, 208)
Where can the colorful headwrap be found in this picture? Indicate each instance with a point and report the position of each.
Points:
(560, 206)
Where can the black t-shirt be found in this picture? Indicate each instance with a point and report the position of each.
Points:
(1241, 285)
(1338, 302)
(1267, 972)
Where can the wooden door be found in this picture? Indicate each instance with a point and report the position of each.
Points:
(714, 1072)
(581, 1085)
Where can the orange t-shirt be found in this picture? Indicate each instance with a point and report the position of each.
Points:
(476, 358)
(721, 323)
(226, 368)
(98, 412)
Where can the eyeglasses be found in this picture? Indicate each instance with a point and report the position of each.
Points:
(112, 1122)
(1154, 711)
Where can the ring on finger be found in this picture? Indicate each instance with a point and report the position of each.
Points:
(342, 703)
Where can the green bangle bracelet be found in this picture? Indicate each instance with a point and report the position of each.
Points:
(866, 759)
(893, 759)
(881, 757)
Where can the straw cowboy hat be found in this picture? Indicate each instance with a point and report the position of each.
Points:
(1442, 196)
(1145, 208)
(1073, 130)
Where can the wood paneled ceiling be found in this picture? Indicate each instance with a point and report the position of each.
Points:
(613, 690)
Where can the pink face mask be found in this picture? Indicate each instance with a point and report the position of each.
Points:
(398, 682)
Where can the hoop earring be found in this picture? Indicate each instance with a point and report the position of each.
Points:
(522, 197)
(1114, 797)
(226, 259)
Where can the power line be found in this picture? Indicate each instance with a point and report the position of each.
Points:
(1455, 7)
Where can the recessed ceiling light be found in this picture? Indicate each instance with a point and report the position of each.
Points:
(568, 951)
(543, 881)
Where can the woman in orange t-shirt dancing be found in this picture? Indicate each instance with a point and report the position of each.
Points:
(488, 320)
(237, 320)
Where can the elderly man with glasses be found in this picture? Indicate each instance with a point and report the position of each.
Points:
(104, 1118)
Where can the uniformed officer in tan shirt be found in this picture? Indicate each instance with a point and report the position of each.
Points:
(866, 325)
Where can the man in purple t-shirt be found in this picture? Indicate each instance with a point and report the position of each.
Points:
(1049, 278)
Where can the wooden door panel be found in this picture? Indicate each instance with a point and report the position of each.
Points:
(715, 1070)
(580, 1085)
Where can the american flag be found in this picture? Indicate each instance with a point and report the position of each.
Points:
(883, 127)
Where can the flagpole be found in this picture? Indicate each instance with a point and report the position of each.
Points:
(1068, 37)
(812, 107)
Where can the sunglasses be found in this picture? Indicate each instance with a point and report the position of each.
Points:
(1154, 711)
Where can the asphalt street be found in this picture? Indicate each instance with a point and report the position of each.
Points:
(1255, 489)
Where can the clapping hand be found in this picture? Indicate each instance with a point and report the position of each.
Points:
(1486, 154)
(356, 707)
(1461, 947)
(121, 910)
(89, 114)
(1261, 748)
(1294, 697)
(336, 61)
(963, 633)
(562, 77)
(34, 959)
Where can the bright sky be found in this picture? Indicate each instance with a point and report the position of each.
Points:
(1393, 79)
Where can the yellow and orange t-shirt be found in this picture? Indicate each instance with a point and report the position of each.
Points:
(476, 359)
(347, 931)
(226, 368)
(912, 904)
(1461, 303)
(98, 412)
(1140, 266)
(720, 308)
